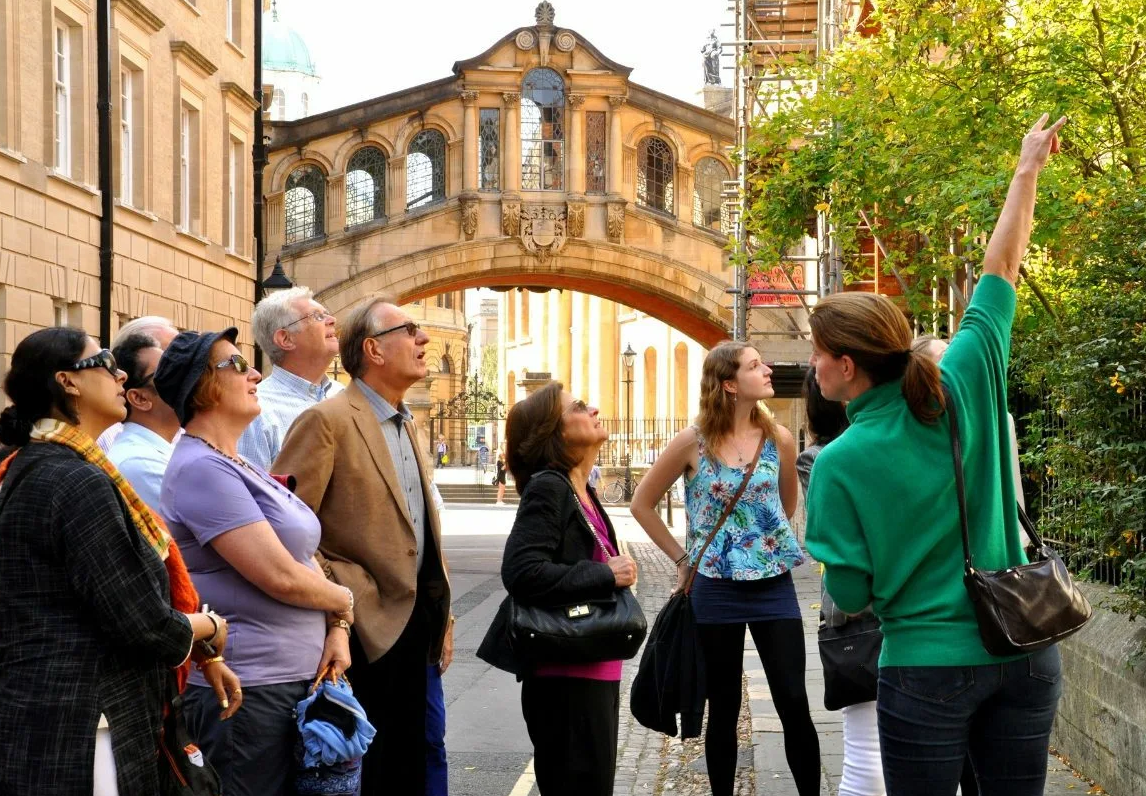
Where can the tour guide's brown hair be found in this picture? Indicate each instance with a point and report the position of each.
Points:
(875, 334)
(533, 440)
(716, 404)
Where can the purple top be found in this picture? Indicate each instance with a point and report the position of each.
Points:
(605, 670)
(204, 496)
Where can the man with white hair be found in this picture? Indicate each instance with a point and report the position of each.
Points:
(297, 335)
(162, 331)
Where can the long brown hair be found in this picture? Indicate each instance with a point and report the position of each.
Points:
(533, 440)
(875, 334)
(716, 404)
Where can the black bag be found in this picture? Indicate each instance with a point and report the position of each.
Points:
(850, 658)
(183, 768)
(671, 676)
(589, 631)
(1020, 609)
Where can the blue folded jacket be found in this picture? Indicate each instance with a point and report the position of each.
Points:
(333, 725)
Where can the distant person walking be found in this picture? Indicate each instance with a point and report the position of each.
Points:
(441, 452)
(499, 478)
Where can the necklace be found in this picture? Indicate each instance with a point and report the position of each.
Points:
(236, 459)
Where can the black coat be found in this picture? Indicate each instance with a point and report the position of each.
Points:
(547, 561)
(88, 628)
(671, 677)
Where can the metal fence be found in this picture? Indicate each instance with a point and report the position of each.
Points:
(643, 440)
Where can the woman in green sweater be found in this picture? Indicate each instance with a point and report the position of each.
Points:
(883, 519)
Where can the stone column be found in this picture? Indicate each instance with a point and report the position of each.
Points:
(615, 154)
(470, 142)
(545, 337)
(565, 339)
(273, 214)
(335, 203)
(511, 165)
(612, 401)
(575, 152)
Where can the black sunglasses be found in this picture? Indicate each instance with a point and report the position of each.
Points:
(102, 359)
(410, 327)
(577, 406)
(236, 361)
(141, 384)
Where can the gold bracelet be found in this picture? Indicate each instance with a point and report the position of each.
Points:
(202, 665)
(342, 623)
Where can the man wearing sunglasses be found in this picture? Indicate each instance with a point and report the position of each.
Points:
(359, 467)
(162, 331)
(297, 334)
(143, 448)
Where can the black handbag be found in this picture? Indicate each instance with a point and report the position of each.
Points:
(589, 631)
(1020, 609)
(849, 655)
(183, 768)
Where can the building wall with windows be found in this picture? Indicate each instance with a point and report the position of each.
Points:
(182, 121)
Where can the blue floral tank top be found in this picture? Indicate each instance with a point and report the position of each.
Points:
(756, 540)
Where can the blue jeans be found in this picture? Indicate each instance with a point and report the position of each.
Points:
(437, 775)
(931, 717)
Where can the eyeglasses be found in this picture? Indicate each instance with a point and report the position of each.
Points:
(577, 406)
(103, 359)
(410, 327)
(144, 382)
(319, 316)
(235, 361)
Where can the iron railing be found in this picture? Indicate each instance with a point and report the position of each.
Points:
(643, 442)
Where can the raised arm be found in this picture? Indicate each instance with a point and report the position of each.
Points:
(1012, 233)
(677, 459)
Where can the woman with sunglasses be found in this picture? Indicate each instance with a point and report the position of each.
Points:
(95, 598)
(250, 544)
(562, 549)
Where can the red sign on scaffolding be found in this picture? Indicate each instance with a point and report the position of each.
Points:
(775, 279)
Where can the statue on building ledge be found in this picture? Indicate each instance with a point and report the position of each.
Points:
(711, 53)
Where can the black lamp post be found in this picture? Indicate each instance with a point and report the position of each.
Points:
(628, 357)
(278, 279)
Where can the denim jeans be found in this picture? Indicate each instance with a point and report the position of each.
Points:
(437, 772)
(931, 717)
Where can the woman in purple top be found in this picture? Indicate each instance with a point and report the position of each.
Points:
(553, 556)
(249, 545)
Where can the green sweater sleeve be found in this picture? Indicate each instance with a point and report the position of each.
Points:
(834, 536)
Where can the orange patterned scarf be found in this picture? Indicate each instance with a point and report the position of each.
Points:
(184, 598)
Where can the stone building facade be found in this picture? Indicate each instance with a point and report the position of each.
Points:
(182, 126)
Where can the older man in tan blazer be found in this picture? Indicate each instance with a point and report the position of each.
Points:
(358, 466)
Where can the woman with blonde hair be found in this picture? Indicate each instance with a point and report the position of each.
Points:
(744, 577)
(884, 518)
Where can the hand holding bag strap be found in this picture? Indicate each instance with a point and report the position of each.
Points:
(727, 511)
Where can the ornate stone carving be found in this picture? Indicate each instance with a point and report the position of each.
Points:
(565, 41)
(526, 40)
(575, 100)
(510, 217)
(617, 101)
(469, 206)
(575, 216)
(615, 222)
(543, 232)
(545, 13)
(469, 97)
(511, 98)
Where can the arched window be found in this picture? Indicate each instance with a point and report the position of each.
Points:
(543, 131)
(708, 182)
(365, 186)
(304, 203)
(447, 367)
(305, 104)
(425, 169)
(278, 105)
(655, 174)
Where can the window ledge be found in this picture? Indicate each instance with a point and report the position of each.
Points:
(367, 225)
(660, 215)
(236, 48)
(12, 154)
(135, 210)
(412, 212)
(303, 245)
(234, 255)
(192, 6)
(89, 189)
(186, 233)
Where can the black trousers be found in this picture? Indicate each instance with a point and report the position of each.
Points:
(572, 722)
(392, 690)
(780, 643)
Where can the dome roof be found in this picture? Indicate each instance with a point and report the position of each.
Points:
(283, 49)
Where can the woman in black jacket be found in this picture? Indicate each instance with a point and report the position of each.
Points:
(92, 638)
(555, 555)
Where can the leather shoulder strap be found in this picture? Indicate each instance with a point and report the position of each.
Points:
(727, 511)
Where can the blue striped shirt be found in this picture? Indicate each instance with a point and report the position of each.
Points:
(283, 396)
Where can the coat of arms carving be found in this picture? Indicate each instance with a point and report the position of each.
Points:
(543, 231)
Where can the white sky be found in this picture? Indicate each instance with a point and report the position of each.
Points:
(367, 48)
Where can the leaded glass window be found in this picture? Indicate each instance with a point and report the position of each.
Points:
(543, 131)
(425, 169)
(489, 149)
(655, 174)
(707, 207)
(365, 186)
(595, 151)
(304, 203)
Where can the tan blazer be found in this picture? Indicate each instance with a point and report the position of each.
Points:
(346, 475)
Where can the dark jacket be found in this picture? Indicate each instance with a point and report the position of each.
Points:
(671, 678)
(547, 561)
(88, 628)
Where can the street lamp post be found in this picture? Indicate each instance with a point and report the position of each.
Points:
(628, 357)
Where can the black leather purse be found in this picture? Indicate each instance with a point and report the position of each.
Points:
(849, 654)
(590, 631)
(1020, 609)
